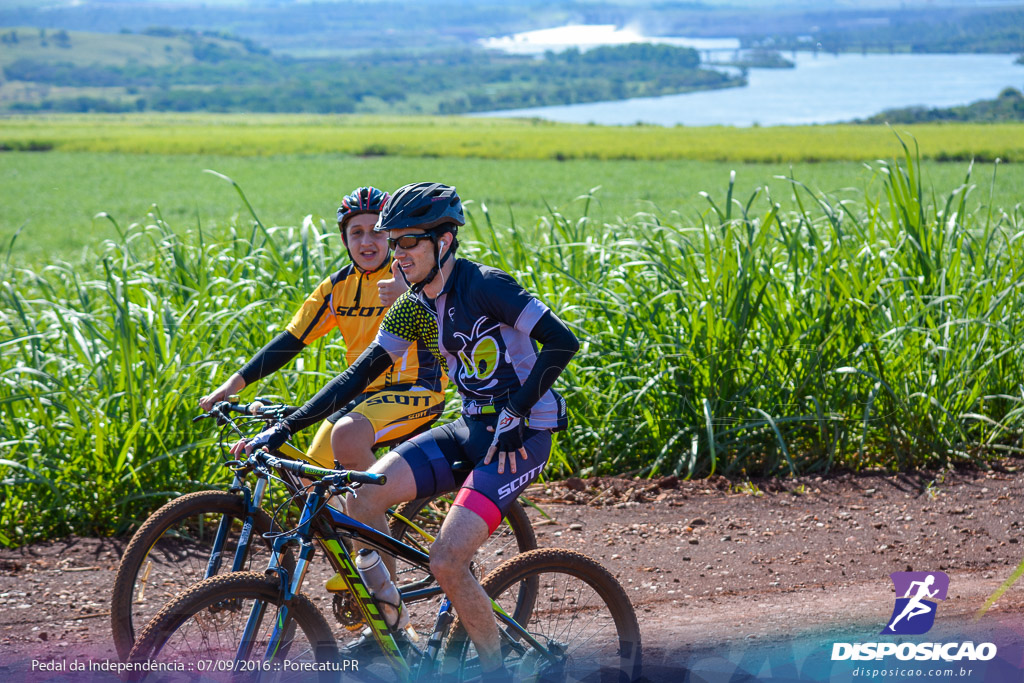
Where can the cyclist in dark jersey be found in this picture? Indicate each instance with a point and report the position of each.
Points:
(401, 402)
(483, 327)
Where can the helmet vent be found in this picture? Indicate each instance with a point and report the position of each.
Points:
(422, 211)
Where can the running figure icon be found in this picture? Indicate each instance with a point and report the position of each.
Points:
(920, 591)
(916, 607)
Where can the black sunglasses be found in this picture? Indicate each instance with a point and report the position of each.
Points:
(408, 241)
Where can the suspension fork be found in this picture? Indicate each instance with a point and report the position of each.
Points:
(429, 663)
(290, 586)
(252, 503)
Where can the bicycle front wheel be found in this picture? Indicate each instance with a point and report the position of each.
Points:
(172, 550)
(236, 626)
(582, 626)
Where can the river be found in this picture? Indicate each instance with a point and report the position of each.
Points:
(823, 88)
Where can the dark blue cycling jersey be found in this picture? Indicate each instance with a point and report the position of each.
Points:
(482, 320)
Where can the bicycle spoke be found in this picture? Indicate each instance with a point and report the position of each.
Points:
(582, 627)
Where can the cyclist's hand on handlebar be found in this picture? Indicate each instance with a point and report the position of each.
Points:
(213, 398)
(508, 440)
(271, 439)
(233, 385)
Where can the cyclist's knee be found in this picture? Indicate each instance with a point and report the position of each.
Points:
(447, 562)
(462, 533)
(352, 442)
(375, 500)
(365, 506)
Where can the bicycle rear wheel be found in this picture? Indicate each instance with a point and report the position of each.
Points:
(171, 551)
(200, 632)
(581, 618)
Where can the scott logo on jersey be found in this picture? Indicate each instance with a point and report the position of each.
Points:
(363, 312)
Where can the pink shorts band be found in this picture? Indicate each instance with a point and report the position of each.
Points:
(481, 505)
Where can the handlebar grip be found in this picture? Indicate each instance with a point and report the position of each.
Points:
(299, 467)
(275, 410)
(293, 465)
(368, 478)
(305, 469)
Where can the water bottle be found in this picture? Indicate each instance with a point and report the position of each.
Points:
(378, 581)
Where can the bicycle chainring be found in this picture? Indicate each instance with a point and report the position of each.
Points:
(346, 611)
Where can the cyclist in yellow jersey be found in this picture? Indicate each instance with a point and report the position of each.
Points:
(403, 401)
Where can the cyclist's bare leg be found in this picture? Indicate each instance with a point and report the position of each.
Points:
(372, 502)
(352, 442)
(462, 533)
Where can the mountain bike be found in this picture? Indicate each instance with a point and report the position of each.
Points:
(578, 624)
(202, 534)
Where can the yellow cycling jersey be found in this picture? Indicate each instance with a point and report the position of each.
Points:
(349, 301)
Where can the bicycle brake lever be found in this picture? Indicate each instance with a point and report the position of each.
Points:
(337, 490)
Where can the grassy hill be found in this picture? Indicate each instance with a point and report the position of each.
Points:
(84, 49)
(186, 70)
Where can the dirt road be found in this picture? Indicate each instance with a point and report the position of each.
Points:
(714, 569)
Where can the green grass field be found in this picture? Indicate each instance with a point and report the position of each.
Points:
(95, 48)
(867, 315)
(292, 166)
(54, 196)
(258, 135)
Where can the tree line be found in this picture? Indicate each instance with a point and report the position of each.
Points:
(1008, 106)
(238, 76)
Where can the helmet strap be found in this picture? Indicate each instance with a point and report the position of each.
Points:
(439, 261)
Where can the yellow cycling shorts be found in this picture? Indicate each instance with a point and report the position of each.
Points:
(394, 414)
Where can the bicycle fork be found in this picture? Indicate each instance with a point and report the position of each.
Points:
(252, 503)
(281, 635)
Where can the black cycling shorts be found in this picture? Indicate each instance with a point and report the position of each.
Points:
(432, 455)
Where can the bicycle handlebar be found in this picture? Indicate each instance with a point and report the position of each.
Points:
(262, 409)
(332, 476)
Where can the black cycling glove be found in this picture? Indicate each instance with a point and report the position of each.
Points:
(508, 432)
(271, 438)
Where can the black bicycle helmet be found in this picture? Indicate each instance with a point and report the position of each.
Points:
(362, 200)
(434, 208)
(422, 205)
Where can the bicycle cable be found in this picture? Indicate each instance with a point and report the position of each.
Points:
(270, 535)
